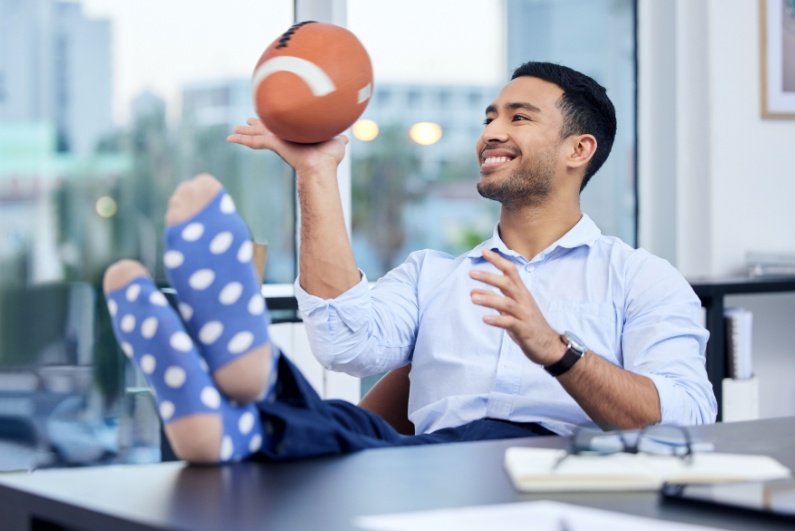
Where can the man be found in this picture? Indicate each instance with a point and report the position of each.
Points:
(553, 284)
(546, 326)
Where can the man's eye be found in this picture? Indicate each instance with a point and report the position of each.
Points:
(487, 121)
(520, 117)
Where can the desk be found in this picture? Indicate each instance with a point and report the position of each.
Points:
(326, 494)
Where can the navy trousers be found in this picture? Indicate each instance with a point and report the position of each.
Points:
(298, 424)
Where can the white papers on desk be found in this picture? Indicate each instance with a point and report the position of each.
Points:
(541, 470)
(537, 515)
(739, 332)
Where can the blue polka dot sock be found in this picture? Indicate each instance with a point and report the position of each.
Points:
(152, 335)
(208, 261)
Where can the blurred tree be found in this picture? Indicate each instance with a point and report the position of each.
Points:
(380, 191)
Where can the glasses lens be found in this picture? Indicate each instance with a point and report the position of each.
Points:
(589, 441)
(664, 440)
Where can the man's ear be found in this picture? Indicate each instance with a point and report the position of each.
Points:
(581, 152)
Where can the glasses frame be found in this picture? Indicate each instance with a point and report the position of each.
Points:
(627, 446)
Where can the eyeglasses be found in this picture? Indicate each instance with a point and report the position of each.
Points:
(658, 439)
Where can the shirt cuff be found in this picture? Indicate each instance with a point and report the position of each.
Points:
(674, 400)
(356, 297)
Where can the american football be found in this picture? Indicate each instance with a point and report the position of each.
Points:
(312, 83)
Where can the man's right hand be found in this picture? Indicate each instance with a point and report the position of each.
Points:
(304, 158)
(326, 264)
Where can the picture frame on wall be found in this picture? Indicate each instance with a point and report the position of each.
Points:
(777, 19)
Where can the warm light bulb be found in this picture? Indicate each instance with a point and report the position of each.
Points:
(106, 207)
(425, 133)
(365, 130)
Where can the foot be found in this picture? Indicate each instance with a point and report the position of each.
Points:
(202, 425)
(209, 262)
(225, 329)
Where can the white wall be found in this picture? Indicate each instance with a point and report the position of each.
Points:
(715, 179)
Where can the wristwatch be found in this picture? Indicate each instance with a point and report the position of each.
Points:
(574, 353)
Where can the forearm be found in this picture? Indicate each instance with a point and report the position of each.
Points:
(326, 263)
(613, 397)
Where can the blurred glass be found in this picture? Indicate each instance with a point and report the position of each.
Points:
(413, 185)
(105, 106)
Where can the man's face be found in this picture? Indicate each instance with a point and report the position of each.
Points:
(519, 150)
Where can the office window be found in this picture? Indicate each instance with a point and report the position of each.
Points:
(95, 135)
(108, 105)
(412, 191)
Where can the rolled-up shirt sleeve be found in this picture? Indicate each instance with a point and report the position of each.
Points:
(363, 331)
(663, 339)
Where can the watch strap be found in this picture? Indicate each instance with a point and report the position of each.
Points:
(570, 357)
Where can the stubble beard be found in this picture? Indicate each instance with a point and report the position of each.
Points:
(525, 186)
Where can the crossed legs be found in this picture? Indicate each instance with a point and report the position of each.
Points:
(210, 362)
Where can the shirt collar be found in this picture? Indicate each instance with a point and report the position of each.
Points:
(585, 232)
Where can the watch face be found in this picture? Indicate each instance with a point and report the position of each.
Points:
(576, 342)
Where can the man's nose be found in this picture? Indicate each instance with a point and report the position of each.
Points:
(494, 132)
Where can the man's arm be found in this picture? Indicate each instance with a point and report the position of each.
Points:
(326, 263)
(611, 396)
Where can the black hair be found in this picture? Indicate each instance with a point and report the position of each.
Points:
(585, 107)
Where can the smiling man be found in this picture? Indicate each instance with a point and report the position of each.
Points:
(544, 327)
(548, 324)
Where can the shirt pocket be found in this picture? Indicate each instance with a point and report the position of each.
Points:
(597, 324)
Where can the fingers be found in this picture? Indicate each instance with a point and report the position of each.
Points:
(508, 281)
(266, 141)
(515, 300)
(491, 300)
(254, 135)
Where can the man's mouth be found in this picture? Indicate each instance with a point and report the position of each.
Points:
(494, 160)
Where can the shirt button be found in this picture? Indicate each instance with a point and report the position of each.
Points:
(529, 268)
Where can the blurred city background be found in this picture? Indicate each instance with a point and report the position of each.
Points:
(86, 168)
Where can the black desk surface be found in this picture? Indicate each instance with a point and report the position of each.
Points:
(327, 493)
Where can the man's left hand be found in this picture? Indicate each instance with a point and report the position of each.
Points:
(518, 312)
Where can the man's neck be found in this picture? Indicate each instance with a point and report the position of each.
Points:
(529, 230)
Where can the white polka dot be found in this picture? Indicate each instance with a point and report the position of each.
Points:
(210, 397)
(173, 259)
(231, 293)
(211, 332)
(158, 299)
(227, 205)
(227, 448)
(193, 232)
(148, 363)
(255, 443)
(201, 279)
(127, 349)
(166, 409)
(221, 242)
(113, 308)
(185, 311)
(132, 292)
(181, 341)
(149, 327)
(256, 305)
(203, 365)
(246, 422)
(245, 252)
(241, 342)
(127, 323)
(175, 376)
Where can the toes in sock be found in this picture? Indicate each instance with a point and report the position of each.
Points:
(152, 335)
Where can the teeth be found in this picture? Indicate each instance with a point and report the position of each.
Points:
(495, 160)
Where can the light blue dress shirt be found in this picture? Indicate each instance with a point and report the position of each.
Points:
(631, 308)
